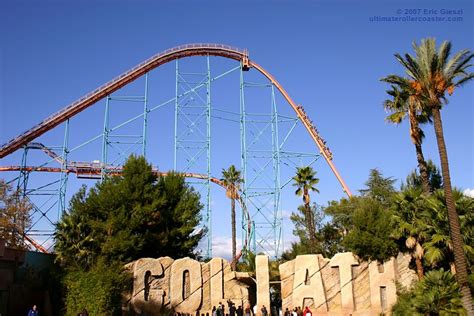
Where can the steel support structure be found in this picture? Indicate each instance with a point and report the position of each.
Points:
(260, 166)
(122, 145)
(192, 138)
(64, 175)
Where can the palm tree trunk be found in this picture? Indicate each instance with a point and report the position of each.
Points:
(425, 181)
(453, 218)
(234, 246)
(308, 219)
(419, 268)
(415, 134)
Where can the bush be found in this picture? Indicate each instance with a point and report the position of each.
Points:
(97, 290)
(436, 294)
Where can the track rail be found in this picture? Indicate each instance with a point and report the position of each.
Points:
(152, 63)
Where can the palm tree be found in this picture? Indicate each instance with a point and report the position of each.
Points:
(408, 209)
(404, 105)
(306, 181)
(438, 245)
(232, 179)
(431, 75)
(74, 245)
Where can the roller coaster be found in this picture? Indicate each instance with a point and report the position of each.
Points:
(259, 200)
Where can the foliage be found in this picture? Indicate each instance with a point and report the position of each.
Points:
(232, 179)
(129, 217)
(413, 180)
(402, 105)
(98, 290)
(361, 224)
(436, 294)
(409, 223)
(370, 238)
(432, 74)
(119, 220)
(299, 220)
(14, 216)
(438, 245)
(342, 212)
(330, 239)
(248, 262)
(305, 181)
(379, 188)
(328, 236)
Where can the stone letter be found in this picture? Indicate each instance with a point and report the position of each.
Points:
(145, 298)
(308, 266)
(217, 281)
(191, 303)
(345, 261)
(287, 272)
(263, 283)
(382, 283)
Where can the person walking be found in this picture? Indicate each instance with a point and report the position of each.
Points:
(33, 311)
(307, 312)
(299, 311)
(264, 311)
(248, 310)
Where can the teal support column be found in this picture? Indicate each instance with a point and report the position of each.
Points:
(208, 188)
(64, 172)
(243, 165)
(176, 109)
(276, 176)
(145, 117)
(105, 138)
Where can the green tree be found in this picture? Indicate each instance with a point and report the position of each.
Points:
(131, 216)
(401, 106)
(435, 179)
(121, 219)
(379, 188)
(409, 224)
(14, 216)
(370, 237)
(305, 181)
(365, 221)
(232, 179)
(432, 74)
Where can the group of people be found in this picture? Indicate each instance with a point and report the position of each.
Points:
(220, 310)
(297, 311)
(232, 311)
(315, 131)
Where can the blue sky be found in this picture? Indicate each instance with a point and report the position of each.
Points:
(329, 56)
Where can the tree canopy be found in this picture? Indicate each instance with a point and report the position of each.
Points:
(14, 216)
(130, 216)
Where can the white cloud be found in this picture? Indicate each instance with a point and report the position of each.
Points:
(469, 192)
(286, 214)
(222, 247)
